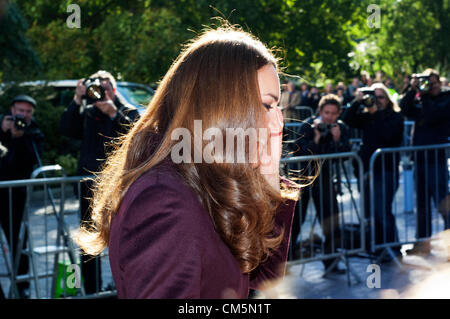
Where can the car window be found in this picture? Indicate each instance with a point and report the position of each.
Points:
(65, 96)
(136, 95)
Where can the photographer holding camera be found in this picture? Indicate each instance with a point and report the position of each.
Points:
(95, 116)
(428, 105)
(322, 134)
(382, 127)
(22, 142)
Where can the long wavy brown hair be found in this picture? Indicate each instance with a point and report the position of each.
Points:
(214, 79)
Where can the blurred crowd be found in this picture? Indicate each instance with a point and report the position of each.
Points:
(377, 110)
(304, 94)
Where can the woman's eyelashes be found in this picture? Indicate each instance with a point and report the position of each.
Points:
(267, 106)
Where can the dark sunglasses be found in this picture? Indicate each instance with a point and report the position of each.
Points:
(380, 97)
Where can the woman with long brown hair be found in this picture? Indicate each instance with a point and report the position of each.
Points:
(177, 224)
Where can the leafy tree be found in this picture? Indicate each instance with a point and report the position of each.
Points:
(18, 60)
(139, 39)
(413, 36)
(313, 36)
(319, 40)
(139, 47)
(65, 53)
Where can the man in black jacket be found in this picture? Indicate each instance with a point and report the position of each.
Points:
(429, 107)
(382, 127)
(22, 139)
(96, 125)
(322, 134)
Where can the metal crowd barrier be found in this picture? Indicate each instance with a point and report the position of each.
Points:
(52, 260)
(291, 135)
(407, 132)
(303, 112)
(335, 229)
(292, 131)
(340, 207)
(409, 197)
(294, 121)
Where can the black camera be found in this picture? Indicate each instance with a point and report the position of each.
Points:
(368, 96)
(325, 130)
(20, 122)
(424, 81)
(94, 90)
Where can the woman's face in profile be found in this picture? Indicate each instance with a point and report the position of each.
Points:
(269, 87)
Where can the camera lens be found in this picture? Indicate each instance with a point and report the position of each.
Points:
(20, 122)
(94, 92)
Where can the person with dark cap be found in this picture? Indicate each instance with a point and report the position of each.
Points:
(95, 123)
(23, 140)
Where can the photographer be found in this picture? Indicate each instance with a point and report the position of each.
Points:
(96, 116)
(382, 127)
(21, 139)
(429, 106)
(322, 134)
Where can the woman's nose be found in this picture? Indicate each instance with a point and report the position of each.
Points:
(279, 116)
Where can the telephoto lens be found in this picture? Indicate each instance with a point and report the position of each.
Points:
(94, 90)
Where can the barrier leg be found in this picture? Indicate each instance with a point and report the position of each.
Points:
(351, 271)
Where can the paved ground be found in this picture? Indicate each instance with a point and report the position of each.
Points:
(418, 277)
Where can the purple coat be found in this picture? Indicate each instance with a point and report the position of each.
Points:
(163, 244)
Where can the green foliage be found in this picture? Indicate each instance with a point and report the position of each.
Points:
(413, 36)
(309, 33)
(138, 40)
(65, 53)
(69, 163)
(329, 39)
(139, 47)
(18, 60)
